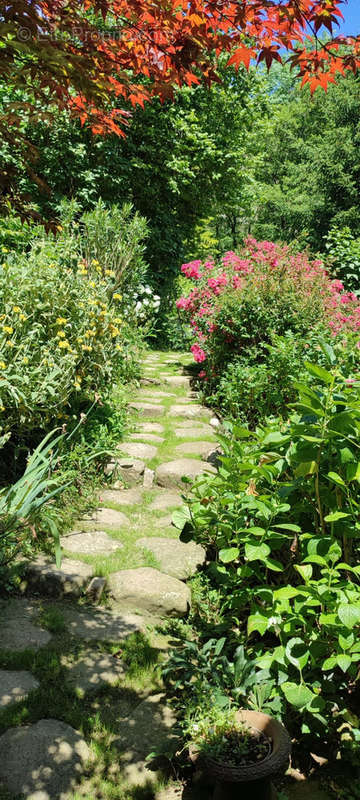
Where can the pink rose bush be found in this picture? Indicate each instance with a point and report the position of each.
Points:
(236, 305)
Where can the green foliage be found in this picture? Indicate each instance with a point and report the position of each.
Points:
(250, 390)
(22, 502)
(280, 521)
(62, 339)
(343, 251)
(114, 237)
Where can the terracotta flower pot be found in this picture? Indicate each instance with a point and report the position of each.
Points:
(254, 778)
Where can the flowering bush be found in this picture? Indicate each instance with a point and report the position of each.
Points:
(238, 305)
(61, 339)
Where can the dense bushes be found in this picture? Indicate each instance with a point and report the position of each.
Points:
(255, 316)
(279, 523)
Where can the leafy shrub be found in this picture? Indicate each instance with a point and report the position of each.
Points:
(114, 238)
(280, 524)
(62, 338)
(343, 251)
(240, 307)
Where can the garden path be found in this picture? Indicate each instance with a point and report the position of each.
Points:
(57, 682)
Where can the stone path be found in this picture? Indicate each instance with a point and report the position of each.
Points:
(131, 545)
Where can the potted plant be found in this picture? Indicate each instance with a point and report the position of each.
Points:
(240, 747)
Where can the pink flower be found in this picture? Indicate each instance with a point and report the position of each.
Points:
(192, 270)
(202, 374)
(198, 353)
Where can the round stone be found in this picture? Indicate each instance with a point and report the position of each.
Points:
(18, 629)
(124, 497)
(148, 409)
(151, 438)
(90, 543)
(189, 411)
(178, 380)
(193, 432)
(15, 686)
(139, 450)
(174, 557)
(195, 448)
(42, 761)
(45, 577)
(150, 590)
(93, 670)
(151, 427)
(166, 499)
(105, 518)
(171, 473)
(100, 624)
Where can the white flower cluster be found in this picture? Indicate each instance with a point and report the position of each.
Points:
(146, 303)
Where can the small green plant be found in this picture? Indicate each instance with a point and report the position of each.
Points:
(52, 619)
(220, 736)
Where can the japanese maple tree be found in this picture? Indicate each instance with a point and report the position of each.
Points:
(97, 58)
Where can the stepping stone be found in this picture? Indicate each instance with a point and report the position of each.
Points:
(18, 629)
(149, 380)
(147, 437)
(149, 477)
(129, 469)
(151, 726)
(161, 394)
(92, 671)
(104, 518)
(194, 432)
(43, 576)
(195, 448)
(164, 522)
(15, 686)
(178, 380)
(189, 411)
(174, 557)
(186, 424)
(100, 624)
(171, 473)
(148, 409)
(139, 450)
(92, 543)
(126, 497)
(42, 761)
(150, 590)
(151, 427)
(165, 500)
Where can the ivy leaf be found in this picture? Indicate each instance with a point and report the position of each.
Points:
(181, 517)
(335, 516)
(335, 478)
(305, 570)
(298, 695)
(319, 372)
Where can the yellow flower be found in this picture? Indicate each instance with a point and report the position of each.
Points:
(77, 385)
(51, 266)
(2, 316)
(110, 272)
(2, 408)
(93, 284)
(25, 360)
(64, 344)
(59, 227)
(118, 320)
(95, 262)
(10, 343)
(22, 317)
(87, 347)
(2, 365)
(61, 321)
(117, 296)
(8, 329)
(16, 309)
(118, 347)
(4, 250)
(61, 334)
(79, 339)
(114, 331)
